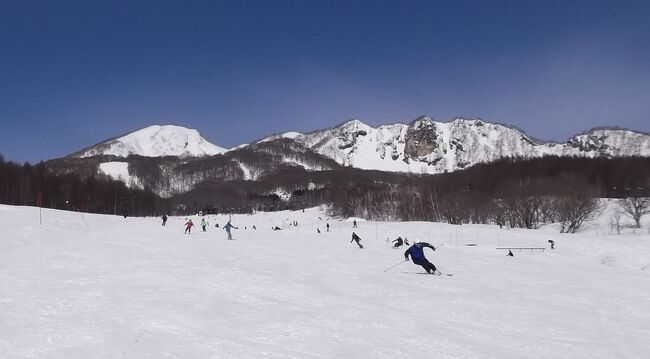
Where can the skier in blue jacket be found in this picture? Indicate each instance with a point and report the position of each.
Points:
(417, 255)
(227, 227)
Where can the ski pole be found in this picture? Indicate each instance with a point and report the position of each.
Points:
(387, 269)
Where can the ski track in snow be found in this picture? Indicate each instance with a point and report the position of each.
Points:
(92, 286)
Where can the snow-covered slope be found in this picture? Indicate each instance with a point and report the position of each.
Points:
(428, 146)
(155, 141)
(96, 286)
(119, 171)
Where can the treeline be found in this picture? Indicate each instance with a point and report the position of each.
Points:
(35, 185)
(514, 192)
(511, 192)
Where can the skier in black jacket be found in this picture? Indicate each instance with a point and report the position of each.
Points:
(356, 239)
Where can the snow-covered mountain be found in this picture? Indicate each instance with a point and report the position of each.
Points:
(171, 160)
(155, 141)
(428, 146)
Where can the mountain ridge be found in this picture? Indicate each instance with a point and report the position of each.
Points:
(423, 146)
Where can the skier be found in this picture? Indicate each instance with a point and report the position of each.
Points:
(552, 242)
(204, 224)
(354, 224)
(356, 239)
(227, 227)
(398, 242)
(328, 227)
(188, 226)
(164, 218)
(510, 253)
(318, 230)
(417, 254)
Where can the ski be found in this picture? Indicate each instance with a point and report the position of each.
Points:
(432, 274)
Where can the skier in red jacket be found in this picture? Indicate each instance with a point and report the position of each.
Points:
(188, 226)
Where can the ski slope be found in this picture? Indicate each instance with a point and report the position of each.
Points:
(94, 286)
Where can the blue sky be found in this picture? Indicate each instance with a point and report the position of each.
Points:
(73, 73)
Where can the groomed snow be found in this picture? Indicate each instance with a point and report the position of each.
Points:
(94, 286)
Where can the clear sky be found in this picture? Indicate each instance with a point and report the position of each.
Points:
(73, 73)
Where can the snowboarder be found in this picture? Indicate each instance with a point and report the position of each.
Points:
(227, 227)
(356, 239)
(552, 242)
(328, 227)
(354, 224)
(164, 218)
(188, 226)
(398, 242)
(417, 254)
(204, 224)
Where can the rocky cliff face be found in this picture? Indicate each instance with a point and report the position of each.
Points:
(428, 146)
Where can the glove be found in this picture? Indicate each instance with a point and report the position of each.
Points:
(406, 259)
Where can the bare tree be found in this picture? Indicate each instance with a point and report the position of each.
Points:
(635, 208)
(573, 211)
(522, 211)
(496, 212)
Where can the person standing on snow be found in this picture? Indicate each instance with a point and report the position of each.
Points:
(204, 224)
(164, 218)
(227, 227)
(417, 255)
(356, 239)
(188, 226)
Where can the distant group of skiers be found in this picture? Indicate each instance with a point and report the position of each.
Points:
(414, 252)
(204, 224)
